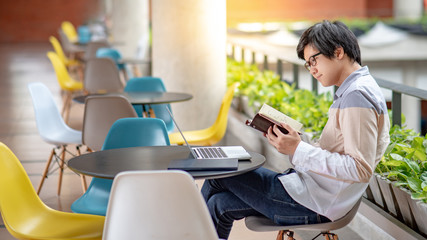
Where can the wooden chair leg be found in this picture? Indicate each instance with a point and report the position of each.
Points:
(280, 235)
(67, 107)
(61, 169)
(84, 183)
(330, 236)
(46, 170)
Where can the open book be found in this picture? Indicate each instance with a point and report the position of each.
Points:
(268, 116)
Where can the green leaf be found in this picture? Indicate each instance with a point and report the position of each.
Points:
(413, 165)
(396, 156)
(414, 184)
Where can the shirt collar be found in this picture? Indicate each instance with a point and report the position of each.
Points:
(349, 80)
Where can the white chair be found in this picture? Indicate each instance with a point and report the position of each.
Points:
(263, 224)
(157, 205)
(53, 130)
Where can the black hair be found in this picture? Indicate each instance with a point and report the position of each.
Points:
(327, 37)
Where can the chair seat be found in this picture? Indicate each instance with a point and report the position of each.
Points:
(72, 86)
(60, 225)
(95, 200)
(65, 136)
(264, 224)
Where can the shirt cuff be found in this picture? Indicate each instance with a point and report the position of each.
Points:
(301, 153)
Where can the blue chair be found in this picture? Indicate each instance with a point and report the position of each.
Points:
(114, 54)
(125, 132)
(151, 84)
(84, 34)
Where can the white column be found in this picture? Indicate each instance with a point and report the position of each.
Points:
(408, 9)
(188, 53)
(130, 27)
(411, 105)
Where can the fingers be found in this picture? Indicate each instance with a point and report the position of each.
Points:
(289, 128)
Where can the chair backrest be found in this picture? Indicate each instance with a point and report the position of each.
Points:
(18, 199)
(48, 118)
(151, 84)
(84, 34)
(125, 132)
(70, 31)
(145, 84)
(92, 47)
(136, 132)
(112, 53)
(157, 205)
(58, 49)
(102, 76)
(66, 82)
(99, 115)
(219, 127)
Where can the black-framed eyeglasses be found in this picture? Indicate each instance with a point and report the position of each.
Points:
(311, 61)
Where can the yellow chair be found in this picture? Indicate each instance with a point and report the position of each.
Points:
(27, 217)
(212, 135)
(70, 31)
(71, 64)
(66, 82)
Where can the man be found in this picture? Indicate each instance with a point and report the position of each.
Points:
(329, 178)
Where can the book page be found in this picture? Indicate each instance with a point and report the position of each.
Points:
(278, 116)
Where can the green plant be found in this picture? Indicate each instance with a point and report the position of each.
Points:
(405, 161)
(266, 87)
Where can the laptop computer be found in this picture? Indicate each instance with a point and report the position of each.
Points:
(209, 158)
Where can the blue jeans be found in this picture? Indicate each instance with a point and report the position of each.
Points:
(255, 193)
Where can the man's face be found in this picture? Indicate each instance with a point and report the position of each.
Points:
(325, 70)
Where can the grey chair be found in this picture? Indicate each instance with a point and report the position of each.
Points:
(99, 115)
(102, 76)
(263, 224)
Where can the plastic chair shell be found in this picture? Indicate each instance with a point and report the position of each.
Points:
(99, 115)
(60, 52)
(50, 124)
(157, 205)
(263, 224)
(151, 84)
(111, 53)
(66, 82)
(70, 31)
(27, 217)
(102, 76)
(213, 134)
(125, 132)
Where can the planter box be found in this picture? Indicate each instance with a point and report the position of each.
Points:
(388, 196)
(376, 192)
(403, 197)
(419, 210)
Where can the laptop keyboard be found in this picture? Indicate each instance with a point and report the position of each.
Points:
(210, 152)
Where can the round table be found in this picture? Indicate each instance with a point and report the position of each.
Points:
(144, 98)
(108, 163)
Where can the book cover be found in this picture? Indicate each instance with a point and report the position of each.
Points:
(268, 116)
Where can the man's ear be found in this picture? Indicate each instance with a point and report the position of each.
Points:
(339, 52)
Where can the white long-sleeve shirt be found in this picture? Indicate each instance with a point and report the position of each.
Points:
(331, 176)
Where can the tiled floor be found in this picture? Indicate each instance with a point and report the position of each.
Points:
(21, 64)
